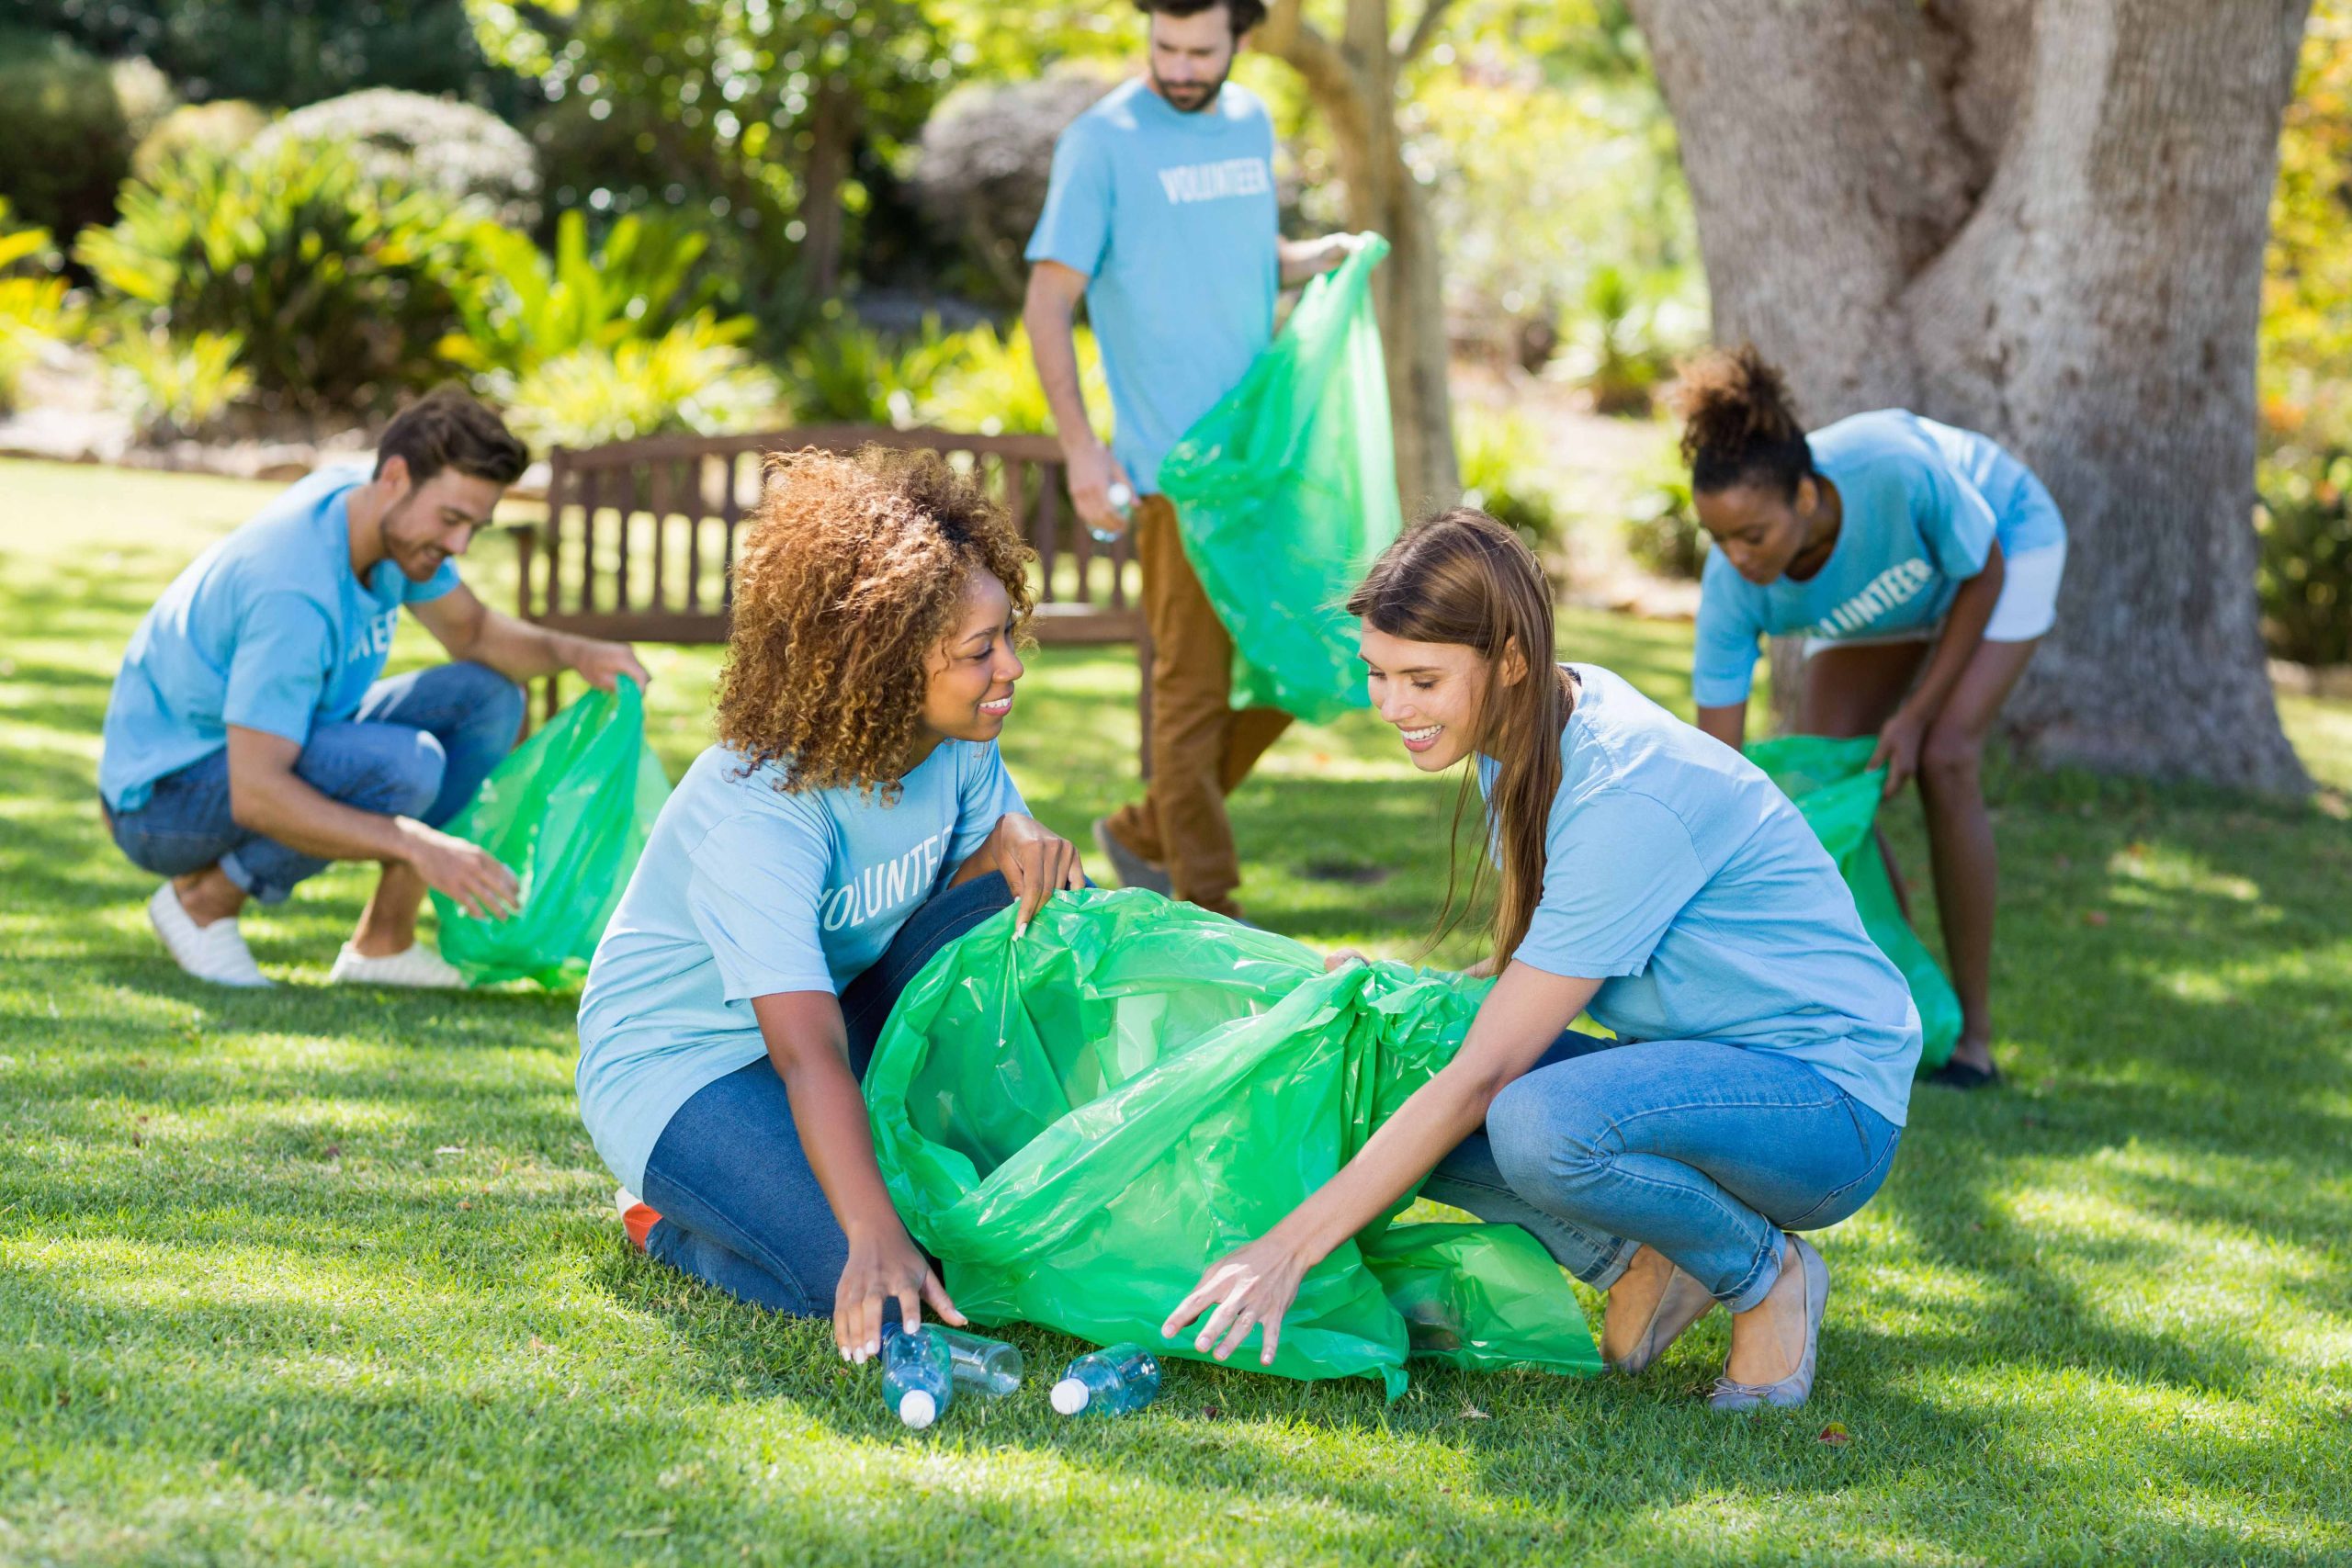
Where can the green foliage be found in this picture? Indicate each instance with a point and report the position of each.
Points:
(530, 307)
(34, 309)
(342, 288)
(422, 143)
(285, 52)
(1501, 459)
(721, 103)
(696, 376)
(847, 373)
(219, 129)
(990, 385)
(2305, 574)
(1663, 533)
(171, 387)
(1624, 343)
(67, 143)
(2306, 362)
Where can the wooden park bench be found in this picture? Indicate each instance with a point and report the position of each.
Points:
(640, 537)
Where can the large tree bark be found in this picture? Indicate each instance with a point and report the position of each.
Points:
(2043, 219)
(1353, 82)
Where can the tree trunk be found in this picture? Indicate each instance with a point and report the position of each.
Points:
(1352, 83)
(832, 129)
(2043, 219)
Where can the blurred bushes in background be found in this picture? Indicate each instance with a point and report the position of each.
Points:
(2304, 577)
(67, 141)
(1502, 469)
(422, 144)
(34, 310)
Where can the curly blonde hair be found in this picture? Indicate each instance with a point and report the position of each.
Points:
(851, 573)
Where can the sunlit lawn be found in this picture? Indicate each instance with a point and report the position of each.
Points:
(332, 1276)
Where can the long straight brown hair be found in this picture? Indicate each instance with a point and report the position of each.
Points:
(1465, 579)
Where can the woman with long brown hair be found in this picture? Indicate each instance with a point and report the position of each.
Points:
(853, 817)
(1764, 1047)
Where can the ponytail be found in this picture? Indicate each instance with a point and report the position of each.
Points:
(1738, 423)
(1465, 579)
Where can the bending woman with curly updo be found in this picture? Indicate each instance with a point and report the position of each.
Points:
(1921, 563)
(853, 818)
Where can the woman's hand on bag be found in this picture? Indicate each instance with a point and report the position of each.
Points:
(1251, 1288)
(1340, 958)
(1036, 863)
(1898, 749)
(883, 1265)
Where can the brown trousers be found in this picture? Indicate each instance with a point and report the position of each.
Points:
(1201, 748)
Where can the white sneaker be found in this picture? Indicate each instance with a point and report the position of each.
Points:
(216, 953)
(415, 966)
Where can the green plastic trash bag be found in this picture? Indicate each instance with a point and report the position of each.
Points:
(1286, 490)
(568, 812)
(1833, 785)
(1076, 1123)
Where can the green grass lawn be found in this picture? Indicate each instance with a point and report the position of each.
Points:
(332, 1276)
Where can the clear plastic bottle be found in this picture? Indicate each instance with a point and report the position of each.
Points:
(979, 1364)
(1123, 500)
(916, 1381)
(1114, 1381)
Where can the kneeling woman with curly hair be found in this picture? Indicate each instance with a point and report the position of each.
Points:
(853, 818)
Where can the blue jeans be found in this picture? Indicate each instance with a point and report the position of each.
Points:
(419, 746)
(740, 1207)
(1706, 1152)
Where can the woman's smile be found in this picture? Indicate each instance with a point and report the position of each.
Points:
(1420, 739)
(997, 707)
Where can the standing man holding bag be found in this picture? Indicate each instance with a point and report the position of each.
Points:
(1162, 214)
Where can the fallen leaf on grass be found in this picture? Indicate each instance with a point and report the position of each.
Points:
(450, 1150)
(1471, 1413)
(2094, 917)
(1836, 1435)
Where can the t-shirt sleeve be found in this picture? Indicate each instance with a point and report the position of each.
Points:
(1075, 226)
(278, 671)
(753, 886)
(443, 579)
(984, 793)
(1954, 519)
(1615, 876)
(1722, 665)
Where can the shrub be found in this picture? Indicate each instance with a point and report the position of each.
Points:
(1500, 458)
(342, 288)
(990, 385)
(173, 387)
(67, 144)
(220, 127)
(34, 310)
(1663, 535)
(1622, 343)
(845, 372)
(2304, 577)
(695, 377)
(530, 307)
(981, 169)
(422, 144)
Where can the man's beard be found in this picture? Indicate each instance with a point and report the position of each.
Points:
(1208, 93)
(395, 551)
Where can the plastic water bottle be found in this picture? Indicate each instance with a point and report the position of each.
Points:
(1114, 1381)
(975, 1363)
(917, 1381)
(1123, 500)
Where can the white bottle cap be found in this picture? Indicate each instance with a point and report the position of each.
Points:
(918, 1409)
(1120, 495)
(1069, 1396)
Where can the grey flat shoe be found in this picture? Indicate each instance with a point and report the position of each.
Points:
(1794, 1389)
(1133, 869)
(1683, 1303)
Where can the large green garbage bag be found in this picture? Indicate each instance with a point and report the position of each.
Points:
(1078, 1122)
(1833, 785)
(1286, 490)
(568, 811)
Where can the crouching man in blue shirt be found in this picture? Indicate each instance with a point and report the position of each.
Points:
(249, 741)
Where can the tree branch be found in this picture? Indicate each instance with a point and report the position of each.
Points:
(1432, 13)
(1331, 81)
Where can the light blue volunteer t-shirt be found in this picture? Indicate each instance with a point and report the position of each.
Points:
(1171, 217)
(1923, 502)
(744, 891)
(267, 630)
(1677, 875)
